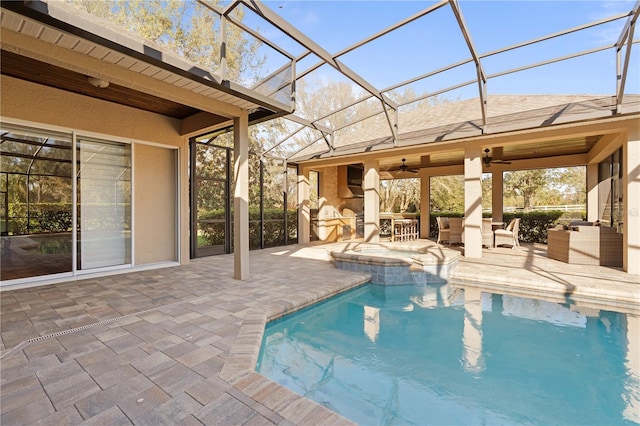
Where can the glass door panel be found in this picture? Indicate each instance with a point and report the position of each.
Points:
(104, 204)
(35, 202)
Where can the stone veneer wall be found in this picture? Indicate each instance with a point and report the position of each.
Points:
(395, 271)
(329, 203)
(329, 198)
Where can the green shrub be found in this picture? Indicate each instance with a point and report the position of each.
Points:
(56, 220)
(273, 226)
(534, 224)
(43, 217)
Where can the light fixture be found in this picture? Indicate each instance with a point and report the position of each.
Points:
(98, 82)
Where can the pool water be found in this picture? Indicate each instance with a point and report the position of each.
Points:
(438, 355)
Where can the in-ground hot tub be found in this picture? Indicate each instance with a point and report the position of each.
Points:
(398, 263)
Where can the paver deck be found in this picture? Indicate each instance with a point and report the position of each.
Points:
(178, 345)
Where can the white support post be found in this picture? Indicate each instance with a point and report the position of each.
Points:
(304, 207)
(241, 197)
(472, 202)
(371, 188)
(631, 198)
(497, 195)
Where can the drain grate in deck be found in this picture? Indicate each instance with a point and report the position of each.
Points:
(24, 344)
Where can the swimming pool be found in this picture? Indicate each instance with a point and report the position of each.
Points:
(441, 355)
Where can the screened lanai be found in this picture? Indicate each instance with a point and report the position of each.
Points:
(465, 64)
(485, 76)
(479, 104)
(326, 88)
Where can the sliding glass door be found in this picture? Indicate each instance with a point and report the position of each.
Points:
(65, 203)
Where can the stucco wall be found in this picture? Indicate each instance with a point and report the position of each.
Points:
(155, 203)
(33, 102)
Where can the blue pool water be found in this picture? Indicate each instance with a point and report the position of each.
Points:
(436, 355)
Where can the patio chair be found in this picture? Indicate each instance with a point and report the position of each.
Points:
(487, 232)
(443, 229)
(456, 228)
(585, 245)
(508, 236)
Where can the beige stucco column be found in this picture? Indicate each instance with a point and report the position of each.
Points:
(473, 202)
(425, 204)
(184, 184)
(304, 207)
(496, 195)
(631, 199)
(371, 186)
(241, 197)
(592, 193)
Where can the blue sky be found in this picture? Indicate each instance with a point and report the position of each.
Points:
(435, 41)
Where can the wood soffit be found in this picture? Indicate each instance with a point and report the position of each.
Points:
(38, 72)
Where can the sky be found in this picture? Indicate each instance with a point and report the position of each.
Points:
(435, 41)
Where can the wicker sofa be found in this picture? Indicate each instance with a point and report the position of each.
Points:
(585, 245)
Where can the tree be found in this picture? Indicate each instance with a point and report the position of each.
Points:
(525, 184)
(187, 28)
(400, 195)
(487, 194)
(571, 182)
(447, 193)
(526, 188)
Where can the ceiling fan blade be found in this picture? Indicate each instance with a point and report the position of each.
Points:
(404, 168)
(501, 162)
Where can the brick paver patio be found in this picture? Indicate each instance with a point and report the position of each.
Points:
(178, 345)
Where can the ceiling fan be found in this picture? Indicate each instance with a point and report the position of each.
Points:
(488, 161)
(405, 168)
